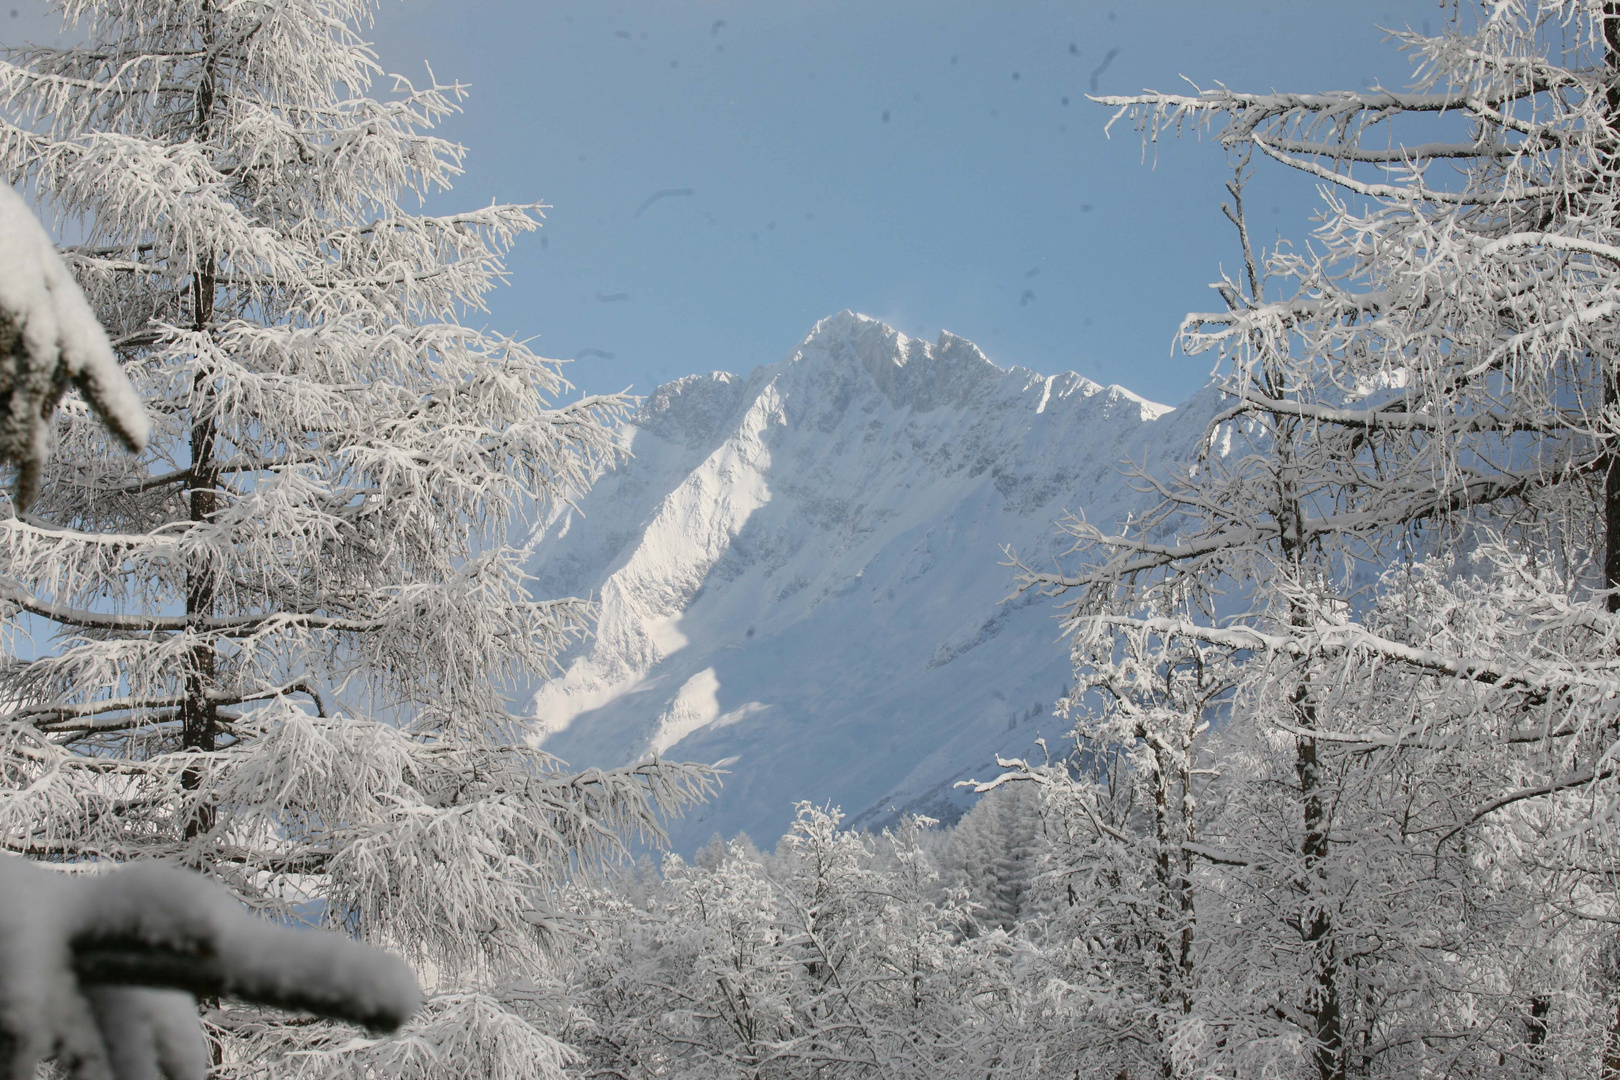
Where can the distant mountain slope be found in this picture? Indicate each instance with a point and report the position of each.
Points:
(800, 574)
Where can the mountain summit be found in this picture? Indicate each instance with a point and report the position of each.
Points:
(800, 572)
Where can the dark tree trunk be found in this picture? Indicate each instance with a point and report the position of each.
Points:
(1535, 1031)
(199, 713)
(1609, 460)
(1323, 1006)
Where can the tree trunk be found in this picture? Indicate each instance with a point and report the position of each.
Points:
(1172, 986)
(1323, 1005)
(1609, 459)
(199, 713)
(1535, 1031)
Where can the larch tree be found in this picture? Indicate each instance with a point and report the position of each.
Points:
(272, 647)
(1428, 383)
(992, 853)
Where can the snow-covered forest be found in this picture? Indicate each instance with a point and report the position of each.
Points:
(1340, 797)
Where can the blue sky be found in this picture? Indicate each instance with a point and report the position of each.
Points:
(983, 204)
(909, 159)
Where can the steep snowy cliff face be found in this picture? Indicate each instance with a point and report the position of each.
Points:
(800, 572)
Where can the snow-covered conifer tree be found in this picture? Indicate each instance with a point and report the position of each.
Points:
(1111, 899)
(992, 850)
(273, 646)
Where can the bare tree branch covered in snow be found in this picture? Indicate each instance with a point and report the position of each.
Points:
(1405, 534)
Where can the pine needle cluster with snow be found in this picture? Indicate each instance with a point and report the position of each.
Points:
(102, 972)
(49, 340)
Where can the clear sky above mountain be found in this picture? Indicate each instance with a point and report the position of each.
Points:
(723, 173)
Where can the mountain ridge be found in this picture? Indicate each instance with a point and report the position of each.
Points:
(799, 571)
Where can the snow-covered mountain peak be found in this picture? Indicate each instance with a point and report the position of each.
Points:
(800, 570)
(909, 372)
(953, 371)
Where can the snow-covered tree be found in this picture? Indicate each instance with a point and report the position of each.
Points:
(993, 850)
(1419, 784)
(840, 956)
(273, 646)
(1113, 870)
(98, 971)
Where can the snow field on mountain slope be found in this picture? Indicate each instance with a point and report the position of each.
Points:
(800, 572)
